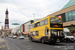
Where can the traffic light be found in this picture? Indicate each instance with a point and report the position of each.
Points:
(32, 21)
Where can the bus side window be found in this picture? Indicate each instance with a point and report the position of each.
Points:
(38, 24)
(33, 25)
(42, 23)
(37, 33)
(33, 33)
(46, 21)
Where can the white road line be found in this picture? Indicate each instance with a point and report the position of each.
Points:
(16, 46)
(28, 47)
(7, 45)
(21, 44)
(60, 47)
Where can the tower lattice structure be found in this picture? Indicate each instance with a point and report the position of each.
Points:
(6, 20)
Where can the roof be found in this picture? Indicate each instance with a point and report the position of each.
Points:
(70, 3)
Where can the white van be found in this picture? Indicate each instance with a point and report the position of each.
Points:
(68, 35)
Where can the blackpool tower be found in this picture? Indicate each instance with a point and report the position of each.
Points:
(6, 20)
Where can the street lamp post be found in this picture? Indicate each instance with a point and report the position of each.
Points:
(34, 17)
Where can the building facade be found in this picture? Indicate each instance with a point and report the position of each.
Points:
(25, 28)
(67, 14)
(16, 30)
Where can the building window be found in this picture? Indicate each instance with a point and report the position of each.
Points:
(70, 15)
(46, 21)
(73, 14)
(66, 15)
(31, 26)
(38, 24)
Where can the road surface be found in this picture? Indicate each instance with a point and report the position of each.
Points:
(25, 44)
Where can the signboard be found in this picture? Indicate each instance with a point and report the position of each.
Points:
(15, 24)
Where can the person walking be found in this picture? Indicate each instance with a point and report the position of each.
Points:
(3, 35)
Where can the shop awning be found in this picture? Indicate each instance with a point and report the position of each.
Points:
(25, 32)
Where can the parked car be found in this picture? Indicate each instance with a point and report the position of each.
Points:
(68, 35)
(14, 37)
(21, 37)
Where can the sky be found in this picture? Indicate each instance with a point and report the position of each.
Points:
(21, 11)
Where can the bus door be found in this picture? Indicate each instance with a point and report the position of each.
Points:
(47, 32)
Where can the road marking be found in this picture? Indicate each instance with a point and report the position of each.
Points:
(28, 47)
(7, 45)
(60, 47)
(16, 46)
(3, 46)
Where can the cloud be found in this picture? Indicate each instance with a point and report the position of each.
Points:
(21, 11)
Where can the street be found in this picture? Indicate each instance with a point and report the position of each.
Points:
(25, 44)
(37, 24)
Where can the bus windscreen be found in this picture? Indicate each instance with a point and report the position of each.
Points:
(56, 23)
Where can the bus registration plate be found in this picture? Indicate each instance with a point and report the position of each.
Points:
(58, 40)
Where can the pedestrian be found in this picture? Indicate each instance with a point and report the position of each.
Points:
(3, 35)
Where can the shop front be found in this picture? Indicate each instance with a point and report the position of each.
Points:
(26, 34)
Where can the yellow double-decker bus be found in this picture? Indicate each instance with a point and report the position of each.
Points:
(48, 29)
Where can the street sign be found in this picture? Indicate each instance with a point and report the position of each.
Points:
(15, 24)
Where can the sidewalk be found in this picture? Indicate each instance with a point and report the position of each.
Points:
(2, 40)
(3, 45)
